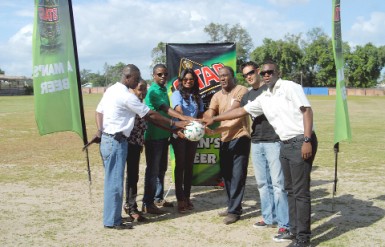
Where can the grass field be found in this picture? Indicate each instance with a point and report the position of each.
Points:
(45, 198)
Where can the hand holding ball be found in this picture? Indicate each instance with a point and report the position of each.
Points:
(194, 131)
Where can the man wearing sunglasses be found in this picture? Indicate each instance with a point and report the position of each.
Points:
(288, 110)
(265, 149)
(156, 143)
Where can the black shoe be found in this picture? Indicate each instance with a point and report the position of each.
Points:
(300, 243)
(231, 218)
(284, 235)
(120, 227)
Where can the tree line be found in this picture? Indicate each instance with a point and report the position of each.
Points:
(304, 58)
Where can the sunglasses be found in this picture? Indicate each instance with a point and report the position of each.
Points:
(162, 74)
(269, 72)
(187, 79)
(251, 72)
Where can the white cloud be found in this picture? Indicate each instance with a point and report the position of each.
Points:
(372, 27)
(115, 31)
(287, 2)
(17, 52)
(127, 31)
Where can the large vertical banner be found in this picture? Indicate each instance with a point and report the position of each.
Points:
(58, 103)
(205, 60)
(342, 124)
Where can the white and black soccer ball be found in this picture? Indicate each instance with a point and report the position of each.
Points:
(194, 131)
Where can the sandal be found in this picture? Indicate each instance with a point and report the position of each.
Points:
(189, 205)
(182, 207)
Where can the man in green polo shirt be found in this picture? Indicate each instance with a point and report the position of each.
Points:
(156, 143)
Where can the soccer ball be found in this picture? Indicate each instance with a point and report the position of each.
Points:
(194, 131)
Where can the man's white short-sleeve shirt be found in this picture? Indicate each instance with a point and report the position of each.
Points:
(282, 108)
(119, 107)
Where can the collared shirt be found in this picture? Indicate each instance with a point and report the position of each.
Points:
(282, 108)
(261, 129)
(156, 96)
(189, 107)
(221, 102)
(119, 108)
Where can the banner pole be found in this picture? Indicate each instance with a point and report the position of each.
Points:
(84, 130)
(336, 150)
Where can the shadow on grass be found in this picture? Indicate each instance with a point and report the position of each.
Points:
(210, 198)
(349, 214)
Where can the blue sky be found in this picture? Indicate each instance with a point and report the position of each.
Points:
(112, 31)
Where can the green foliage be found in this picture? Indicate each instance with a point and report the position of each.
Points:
(111, 75)
(114, 73)
(365, 65)
(319, 67)
(158, 54)
(240, 80)
(236, 34)
(28, 90)
(2, 72)
(97, 80)
(286, 53)
(311, 61)
(307, 61)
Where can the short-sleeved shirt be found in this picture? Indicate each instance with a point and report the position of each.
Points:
(189, 107)
(221, 102)
(261, 129)
(156, 96)
(119, 108)
(281, 108)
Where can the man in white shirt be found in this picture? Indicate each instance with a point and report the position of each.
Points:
(289, 112)
(115, 117)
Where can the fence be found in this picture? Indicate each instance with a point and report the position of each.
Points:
(14, 85)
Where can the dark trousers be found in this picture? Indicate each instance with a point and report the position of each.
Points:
(297, 184)
(184, 151)
(234, 159)
(156, 166)
(132, 175)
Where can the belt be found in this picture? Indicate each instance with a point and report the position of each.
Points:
(118, 135)
(106, 134)
(294, 139)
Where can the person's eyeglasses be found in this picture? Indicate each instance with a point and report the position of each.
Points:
(188, 79)
(162, 74)
(251, 72)
(269, 72)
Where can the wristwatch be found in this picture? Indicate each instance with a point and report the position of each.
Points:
(307, 139)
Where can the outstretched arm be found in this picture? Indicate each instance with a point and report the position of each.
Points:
(161, 121)
(232, 114)
(171, 112)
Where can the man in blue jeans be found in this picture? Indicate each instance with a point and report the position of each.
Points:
(114, 117)
(288, 110)
(265, 149)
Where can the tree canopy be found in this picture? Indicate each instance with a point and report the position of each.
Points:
(236, 33)
(307, 59)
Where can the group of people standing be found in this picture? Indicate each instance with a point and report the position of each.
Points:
(281, 143)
